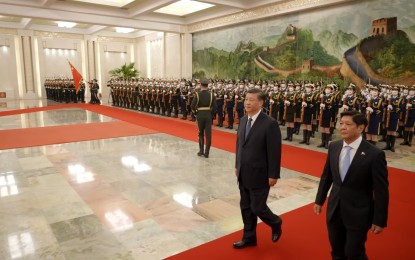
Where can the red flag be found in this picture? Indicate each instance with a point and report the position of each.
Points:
(77, 77)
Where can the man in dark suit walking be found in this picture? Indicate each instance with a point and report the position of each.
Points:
(358, 201)
(257, 167)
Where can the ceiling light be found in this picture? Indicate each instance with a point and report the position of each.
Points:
(184, 7)
(66, 24)
(123, 30)
(117, 3)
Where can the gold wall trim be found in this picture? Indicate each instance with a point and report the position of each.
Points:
(44, 34)
(281, 8)
(8, 31)
(114, 39)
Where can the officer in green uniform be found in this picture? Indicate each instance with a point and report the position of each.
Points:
(204, 107)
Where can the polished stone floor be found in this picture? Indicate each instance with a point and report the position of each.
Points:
(137, 197)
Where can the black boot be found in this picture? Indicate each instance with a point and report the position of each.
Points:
(405, 138)
(288, 134)
(307, 138)
(387, 140)
(291, 135)
(323, 140)
(313, 130)
(401, 131)
(230, 125)
(296, 128)
(411, 135)
(328, 138)
(305, 132)
(201, 144)
(219, 121)
(392, 143)
(384, 135)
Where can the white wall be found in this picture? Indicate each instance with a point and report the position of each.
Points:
(173, 64)
(156, 55)
(8, 68)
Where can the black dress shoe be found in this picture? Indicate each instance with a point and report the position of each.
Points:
(242, 244)
(200, 154)
(206, 155)
(276, 233)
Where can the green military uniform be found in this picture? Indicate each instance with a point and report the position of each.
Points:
(204, 106)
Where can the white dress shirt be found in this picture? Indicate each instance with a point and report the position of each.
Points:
(354, 145)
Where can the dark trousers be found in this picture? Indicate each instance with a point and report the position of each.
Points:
(346, 243)
(204, 124)
(253, 206)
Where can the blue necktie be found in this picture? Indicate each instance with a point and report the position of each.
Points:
(346, 162)
(248, 127)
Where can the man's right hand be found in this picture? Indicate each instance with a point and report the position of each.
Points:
(317, 209)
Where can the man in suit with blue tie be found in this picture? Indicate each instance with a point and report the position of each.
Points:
(357, 174)
(257, 167)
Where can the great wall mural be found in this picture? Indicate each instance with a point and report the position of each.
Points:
(370, 42)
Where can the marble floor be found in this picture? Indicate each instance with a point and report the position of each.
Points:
(137, 197)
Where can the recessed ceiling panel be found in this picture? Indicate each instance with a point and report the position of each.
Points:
(184, 7)
(116, 3)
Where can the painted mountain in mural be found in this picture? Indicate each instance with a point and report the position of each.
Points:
(410, 31)
(381, 59)
(338, 43)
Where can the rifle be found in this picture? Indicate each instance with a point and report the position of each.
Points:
(368, 114)
(389, 113)
(270, 105)
(285, 107)
(321, 110)
(407, 111)
(303, 108)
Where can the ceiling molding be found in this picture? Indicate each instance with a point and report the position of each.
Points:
(262, 12)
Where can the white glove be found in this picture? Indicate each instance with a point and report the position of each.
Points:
(271, 101)
(370, 110)
(215, 94)
(236, 96)
(152, 90)
(171, 92)
(188, 93)
(344, 97)
(226, 96)
(304, 104)
(368, 99)
(390, 107)
(184, 98)
(287, 102)
(321, 95)
(346, 107)
(322, 106)
(408, 105)
(158, 90)
(164, 91)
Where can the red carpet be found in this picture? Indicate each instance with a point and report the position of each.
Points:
(305, 235)
(26, 137)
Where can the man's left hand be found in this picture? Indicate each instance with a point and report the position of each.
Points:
(376, 229)
(272, 181)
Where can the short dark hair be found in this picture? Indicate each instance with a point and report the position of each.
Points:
(260, 94)
(357, 117)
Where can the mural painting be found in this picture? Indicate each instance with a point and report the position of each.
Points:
(366, 42)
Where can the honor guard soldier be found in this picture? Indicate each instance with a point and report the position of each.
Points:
(275, 99)
(327, 102)
(307, 112)
(409, 117)
(230, 104)
(239, 99)
(191, 94)
(350, 100)
(220, 101)
(184, 96)
(393, 110)
(176, 97)
(374, 113)
(290, 101)
(204, 106)
(298, 108)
